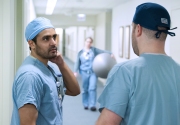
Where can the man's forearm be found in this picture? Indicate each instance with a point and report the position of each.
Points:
(70, 80)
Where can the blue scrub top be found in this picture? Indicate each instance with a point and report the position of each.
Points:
(144, 91)
(35, 84)
(86, 59)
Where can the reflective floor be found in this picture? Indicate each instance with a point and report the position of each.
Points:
(73, 111)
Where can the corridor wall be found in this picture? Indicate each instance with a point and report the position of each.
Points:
(70, 42)
(12, 49)
(175, 41)
(122, 16)
(7, 27)
(102, 38)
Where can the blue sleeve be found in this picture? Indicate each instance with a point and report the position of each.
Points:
(99, 51)
(29, 90)
(115, 95)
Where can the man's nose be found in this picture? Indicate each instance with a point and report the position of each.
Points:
(53, 41)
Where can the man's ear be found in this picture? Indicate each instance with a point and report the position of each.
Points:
(31, 44)
(138, 30)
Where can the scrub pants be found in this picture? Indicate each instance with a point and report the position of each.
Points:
(89, 85)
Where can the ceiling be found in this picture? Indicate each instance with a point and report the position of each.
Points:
(73, 7)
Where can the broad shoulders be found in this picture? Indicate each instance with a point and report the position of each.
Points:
(146, 60)
(35, 67)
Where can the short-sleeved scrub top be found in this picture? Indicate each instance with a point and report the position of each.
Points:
(144, 91)
(35, 84)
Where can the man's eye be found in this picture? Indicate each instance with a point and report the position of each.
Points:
(54, 37)
(46, 38)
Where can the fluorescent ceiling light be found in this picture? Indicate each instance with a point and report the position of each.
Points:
(50, 6)
(81, 17)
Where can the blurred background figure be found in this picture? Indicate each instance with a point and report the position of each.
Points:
(89, 78)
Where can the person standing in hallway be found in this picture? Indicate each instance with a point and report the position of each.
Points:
(42, 80)
(146, 90)
(89, 79)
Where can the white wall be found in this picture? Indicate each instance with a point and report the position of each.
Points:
(103, 31)
(70, 42)
(7, 8)
(81, 38)
(122, 16)
(100, 31)
(108, 30)
(59, 31)
(11, 52)
(175, 41)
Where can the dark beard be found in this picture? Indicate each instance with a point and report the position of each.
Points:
(46, 55)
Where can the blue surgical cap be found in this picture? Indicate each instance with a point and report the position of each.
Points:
(36, 26)
(151, 16)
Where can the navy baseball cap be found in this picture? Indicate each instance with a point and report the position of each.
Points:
(152, 16)
(36, 26)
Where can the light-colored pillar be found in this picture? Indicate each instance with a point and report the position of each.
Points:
(7, 8)
(19, 33)
(14, 16)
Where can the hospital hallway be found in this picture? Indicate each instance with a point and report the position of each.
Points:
(107, 22)
(73, 110)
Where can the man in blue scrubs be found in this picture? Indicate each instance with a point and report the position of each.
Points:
(146, 90)
(42, 80)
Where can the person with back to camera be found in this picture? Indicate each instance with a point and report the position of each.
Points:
(42, 80)
(146, 90)
(83, 64)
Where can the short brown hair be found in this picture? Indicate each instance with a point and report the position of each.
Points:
(151, 34)
(89, 38)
